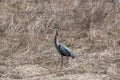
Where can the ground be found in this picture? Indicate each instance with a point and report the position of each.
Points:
(90, 28)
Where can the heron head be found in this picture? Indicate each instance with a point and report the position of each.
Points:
(56, 29)
(56, 26)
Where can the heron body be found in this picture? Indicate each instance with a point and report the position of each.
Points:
(62, 49)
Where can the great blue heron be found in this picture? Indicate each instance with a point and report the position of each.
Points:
(61, 48)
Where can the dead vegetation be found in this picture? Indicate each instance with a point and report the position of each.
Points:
(89, 27)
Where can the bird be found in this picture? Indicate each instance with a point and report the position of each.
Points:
(62, 49)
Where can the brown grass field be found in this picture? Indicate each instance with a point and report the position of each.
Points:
(91, 28)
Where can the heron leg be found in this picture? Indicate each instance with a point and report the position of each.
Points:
(68, 61)
(61, 61)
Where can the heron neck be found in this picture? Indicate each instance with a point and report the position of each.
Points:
(56, 40)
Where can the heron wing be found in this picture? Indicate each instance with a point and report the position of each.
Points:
(65, 50)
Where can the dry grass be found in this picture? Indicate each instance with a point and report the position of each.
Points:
(89, 27)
